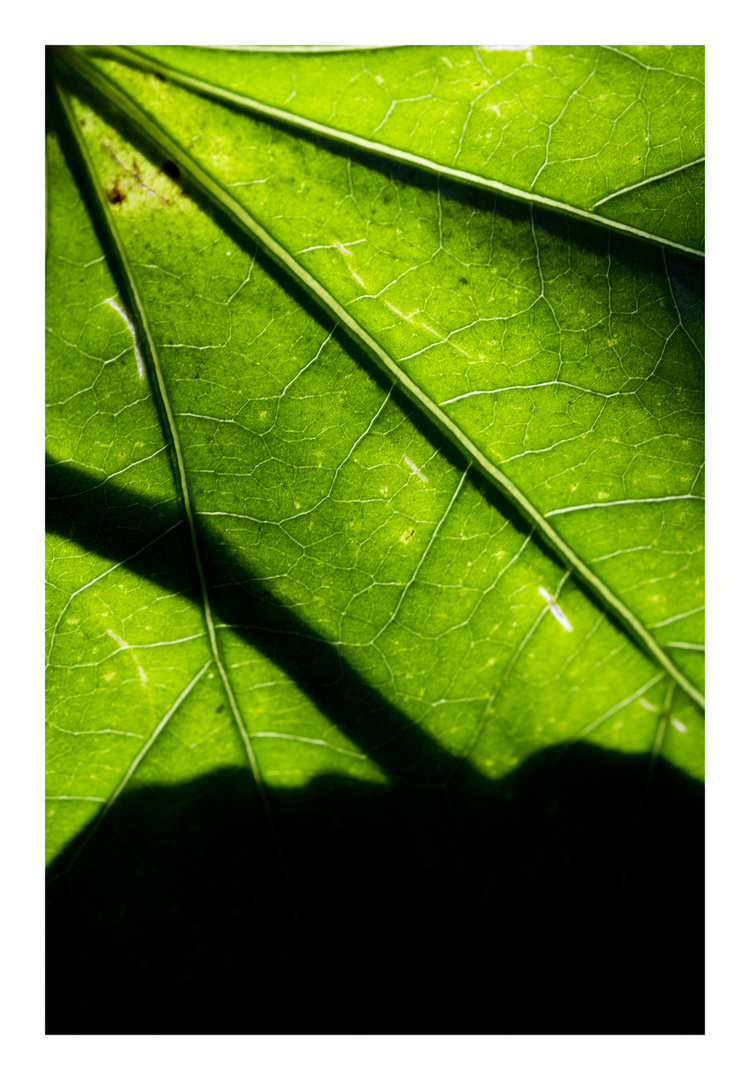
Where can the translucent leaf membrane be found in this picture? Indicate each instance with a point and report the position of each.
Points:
(308, 471)
(570, 357)
(361, 720)
(617, 132)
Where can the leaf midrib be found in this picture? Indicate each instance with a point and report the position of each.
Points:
(239, 216)
(371, 146)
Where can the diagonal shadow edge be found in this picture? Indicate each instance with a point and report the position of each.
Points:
(277, 627)
(615, 611)
(95, 517)
(400, 735)
(110, 520)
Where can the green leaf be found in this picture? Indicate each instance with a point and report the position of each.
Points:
(608, 134)
(375, 528)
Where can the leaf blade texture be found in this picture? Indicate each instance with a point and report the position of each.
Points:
(272, 573)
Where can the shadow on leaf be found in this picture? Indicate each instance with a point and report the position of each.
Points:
(422, 906)
(483, 908)
(525, 906)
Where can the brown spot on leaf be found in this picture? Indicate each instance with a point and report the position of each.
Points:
(115, 195)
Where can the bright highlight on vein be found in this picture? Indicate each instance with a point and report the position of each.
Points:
(133, 333)
(414, 469)
(555, 609)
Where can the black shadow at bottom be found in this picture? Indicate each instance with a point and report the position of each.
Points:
(523, 907)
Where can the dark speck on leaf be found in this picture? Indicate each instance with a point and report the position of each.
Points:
(171, 169)
(462, 281)
(115, 195)
(160, 77)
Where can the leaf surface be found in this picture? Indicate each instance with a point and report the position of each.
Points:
(362, 479)
(612, 134)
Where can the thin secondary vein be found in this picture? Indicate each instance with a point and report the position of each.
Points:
(139, 757)
(305, 739)
(133, 332)
(133, 58)
(73, 798)
(418, 567)
(241, 218)
(615, 708)
(482, 722)
(676, 618)
(141, 319)
(649, 180)
(622, 502)
(99, 578)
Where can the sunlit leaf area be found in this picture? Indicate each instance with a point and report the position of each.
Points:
(375, 543)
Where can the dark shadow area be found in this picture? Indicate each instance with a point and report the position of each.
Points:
(480, 908)
(425, 907)
(153, 541)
